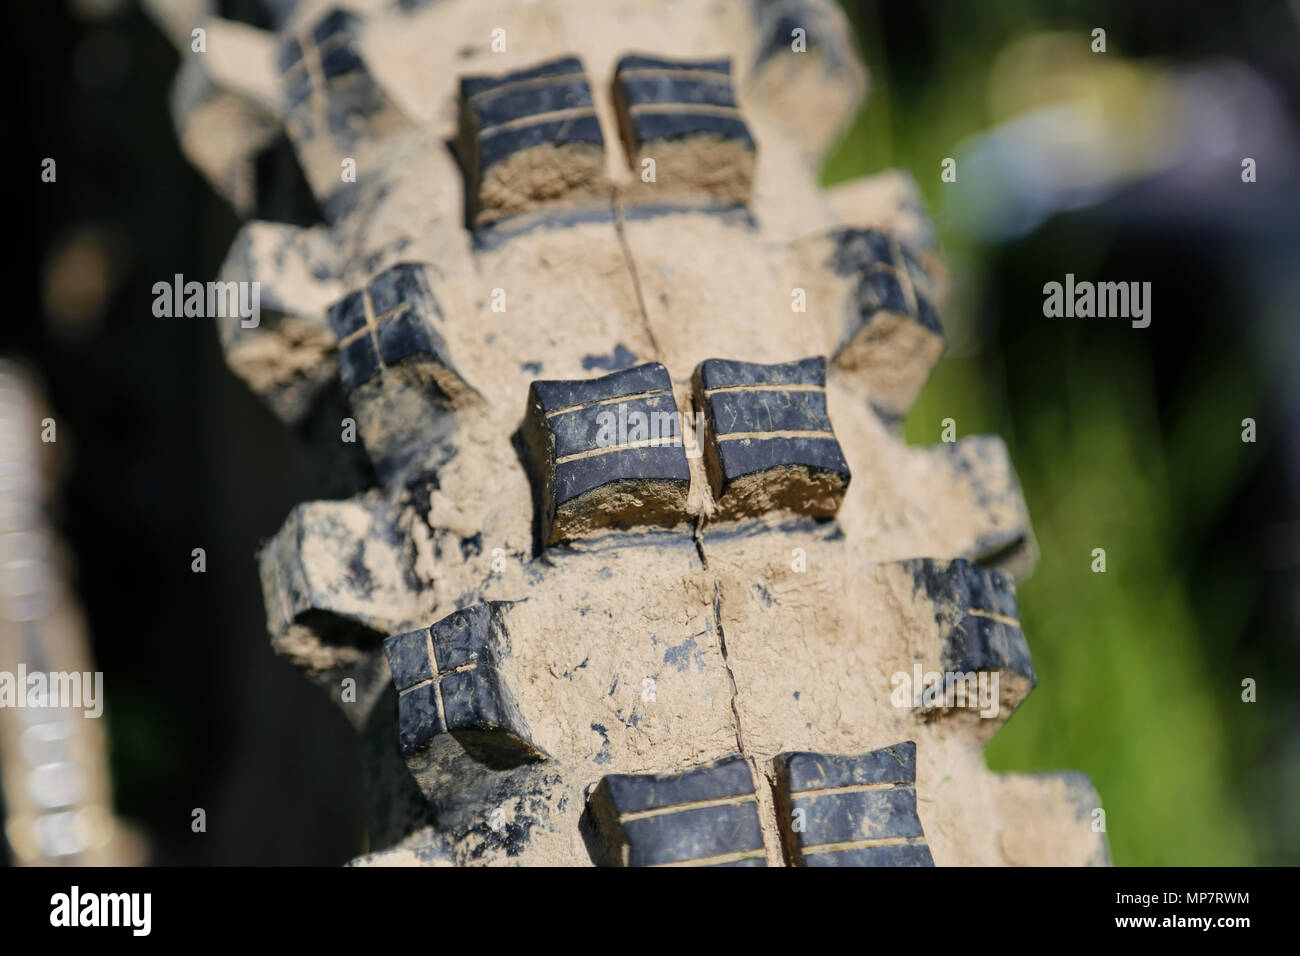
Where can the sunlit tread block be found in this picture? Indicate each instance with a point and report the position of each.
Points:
(448, 678)
(390, 324)
(851, 810)
(518, 126)
(707, 816)
(770, 444)
(978, 616)
(683, 115)
(593, 465)
(892, 335)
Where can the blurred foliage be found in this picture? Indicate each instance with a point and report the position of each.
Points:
(1126, 692)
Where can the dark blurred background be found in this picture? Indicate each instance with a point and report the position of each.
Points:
(1122, 166)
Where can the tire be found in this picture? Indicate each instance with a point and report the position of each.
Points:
(633, 566)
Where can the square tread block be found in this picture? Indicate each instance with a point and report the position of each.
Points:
(606, 452)
(391, 323)
(770, 445)
(892, 335)
(683, 115)
(978, 617)
(448, 680)
(707, 816)
(851, 810)
(528, 139)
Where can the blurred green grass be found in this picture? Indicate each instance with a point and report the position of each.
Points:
(1125, 691)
